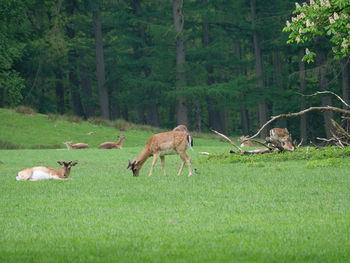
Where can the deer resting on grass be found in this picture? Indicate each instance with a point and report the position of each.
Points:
(282, 135)
(113, 145)
(79, 145)
(160, 145)
(45, 173)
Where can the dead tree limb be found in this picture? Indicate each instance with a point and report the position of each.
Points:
(327, 92)
(227, 139)
(286, 115)
(340, 129)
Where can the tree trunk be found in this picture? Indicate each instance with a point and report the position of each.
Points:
(223, 119)
(59, 92)
(323, 81)
(182, 111)
(87, 91)
(198, 122)
(100, 68)
(278, 82)
(259, 71)
(303, 131)
(72, 62)
(243, 110)
(213, 113)
(345, 66)
(153, 115)
(141, 116)
(74, 87)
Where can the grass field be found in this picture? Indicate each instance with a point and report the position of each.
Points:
(234, 210)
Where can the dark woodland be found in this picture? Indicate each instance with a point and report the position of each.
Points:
(208, 64)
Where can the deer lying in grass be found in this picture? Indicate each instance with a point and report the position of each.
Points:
(282, 135)
(113, 145)
(245, 143)
(79, 145)
(45, 173)
(160, 145)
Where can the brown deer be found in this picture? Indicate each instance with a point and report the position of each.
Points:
(79, 145)
(113, 145)
(160, 145)
(45, 173)
(282, 135)
(181, 128)
(245, 143)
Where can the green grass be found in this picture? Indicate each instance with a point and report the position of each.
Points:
(237, 209)
(38, 131)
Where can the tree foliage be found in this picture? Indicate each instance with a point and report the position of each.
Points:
(48, 59)
(329, 18)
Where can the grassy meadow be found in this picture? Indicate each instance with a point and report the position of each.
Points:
(291, 207)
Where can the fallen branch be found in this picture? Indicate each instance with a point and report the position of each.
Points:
(340, 129)
(227, 139)
(286, 115)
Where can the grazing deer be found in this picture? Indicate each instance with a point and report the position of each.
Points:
(45, 173)
(160, 145)
(113, 145)
(245, 143)
(282, 135)
(181, 128)
(79, 145)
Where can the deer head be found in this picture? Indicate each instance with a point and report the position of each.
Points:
(66, 166)
(134, 167)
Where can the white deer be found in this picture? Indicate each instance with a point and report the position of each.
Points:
(113, 145)
(44, 173)
(79, 145)
(282, 135)
(160, 145)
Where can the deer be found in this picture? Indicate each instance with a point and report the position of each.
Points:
(44, 173)
(181, 127)
(245, 143)
(113, 145)
(282, 135)
(162, 144)
(79, 145)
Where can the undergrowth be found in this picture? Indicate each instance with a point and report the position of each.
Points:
(303, 153)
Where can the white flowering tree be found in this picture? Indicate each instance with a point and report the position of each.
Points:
(321, 17)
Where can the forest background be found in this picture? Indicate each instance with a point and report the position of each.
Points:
(206, 64)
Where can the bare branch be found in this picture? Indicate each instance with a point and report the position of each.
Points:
(227, 139)
(263, 144)
(327, 92)
(286, 115)
(340, 129)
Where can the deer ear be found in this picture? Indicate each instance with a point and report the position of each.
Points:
(129, 164)
(59, 162)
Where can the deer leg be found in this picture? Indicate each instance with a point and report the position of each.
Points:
(186, 159)
(189, 166)
(155, 157)
(182, 166)
(162, 160)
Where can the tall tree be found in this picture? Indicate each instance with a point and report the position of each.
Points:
(302, 87)
(259, 71)
(324, 85)
(100, 67)
(182, 111)
(72, 63)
